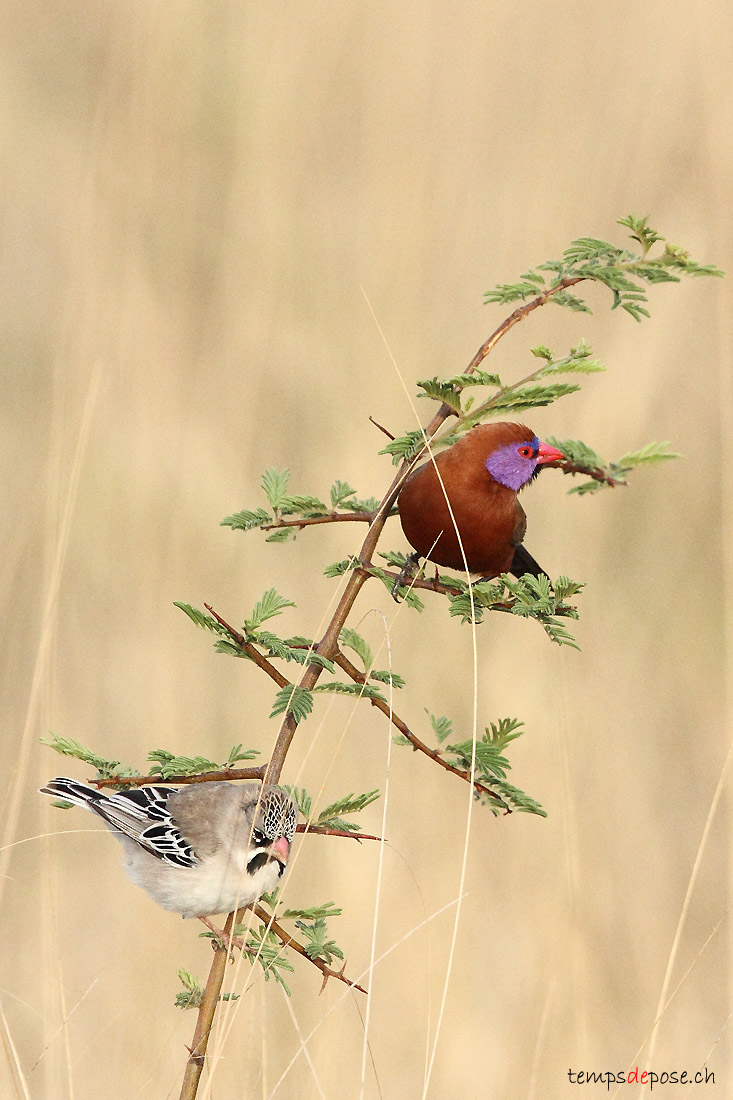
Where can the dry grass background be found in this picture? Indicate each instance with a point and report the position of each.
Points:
(193, 196)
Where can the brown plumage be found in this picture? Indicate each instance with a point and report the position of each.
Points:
(481, 475)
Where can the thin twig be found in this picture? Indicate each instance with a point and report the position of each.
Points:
(323, 830)
(287, 941)
(419, 746)
(441, 588)
(376, 425)
(309, 521)
(594, 472)
(252, 652)
(178, 780)
(518, 315)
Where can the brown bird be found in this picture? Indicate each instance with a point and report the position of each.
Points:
(481, 475)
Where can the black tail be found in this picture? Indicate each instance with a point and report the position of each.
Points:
(71, 791)
(523, 562)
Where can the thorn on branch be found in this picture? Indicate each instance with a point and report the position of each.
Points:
(337, 974)
(234, 634)
(287, 941)
(376, 425)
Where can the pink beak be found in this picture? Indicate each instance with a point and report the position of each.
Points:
(547, 454)
(281, 850)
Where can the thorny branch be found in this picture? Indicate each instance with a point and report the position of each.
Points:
(331, 517)
(323, 830)
(224, 940)
(329, 647)
(419, 746)
(178, 780)
(252, 652)
(596, 474)
(287, 941)
(205, 1018)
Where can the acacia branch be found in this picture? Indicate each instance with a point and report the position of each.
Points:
(200, 777)
(205, 1018)
(287, 941)
(594, 472)
(323, 830)
(442, 589)
(252, 652)
(518, 315)
(419, 746)
(508, 323)
(224, 939)
(309, 521)
(438, 586)
(328, 647)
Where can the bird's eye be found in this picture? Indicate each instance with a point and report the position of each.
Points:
(526, 451)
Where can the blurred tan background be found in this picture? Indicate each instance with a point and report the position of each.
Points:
(201, 205)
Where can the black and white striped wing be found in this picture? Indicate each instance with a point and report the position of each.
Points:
(141, 813)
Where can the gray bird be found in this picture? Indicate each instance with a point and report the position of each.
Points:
(197, 850)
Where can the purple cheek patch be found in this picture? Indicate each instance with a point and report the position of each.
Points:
(507, 466)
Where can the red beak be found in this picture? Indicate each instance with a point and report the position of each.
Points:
(547, 454)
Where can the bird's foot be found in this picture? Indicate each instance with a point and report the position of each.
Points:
(406, 574)
(220, 938)
(225, 941)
